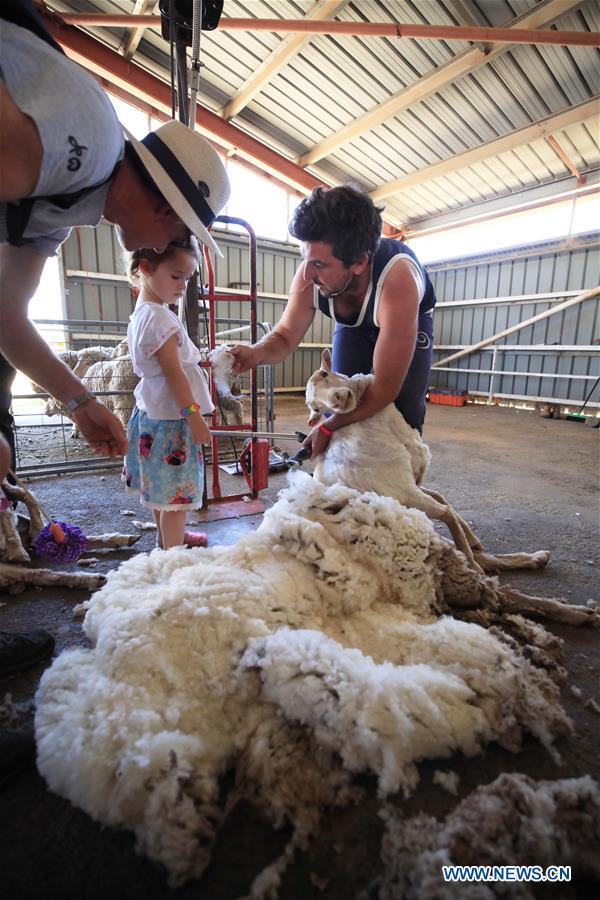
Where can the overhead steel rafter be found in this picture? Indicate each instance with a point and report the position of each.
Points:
(280, 57)
(151, 109)
(258, 154)
(510, 141)
(113, 68)
(130, 44)
(364, 29)
(457, 67)
(563, 155)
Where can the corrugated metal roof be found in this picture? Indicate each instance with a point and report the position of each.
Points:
(334, 80)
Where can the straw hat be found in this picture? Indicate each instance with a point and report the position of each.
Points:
(188, 173)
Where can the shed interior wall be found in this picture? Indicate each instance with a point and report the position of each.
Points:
(536, 277)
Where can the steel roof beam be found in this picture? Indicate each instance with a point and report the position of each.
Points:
(275, 61)
(364, 29)
(563, 155)
(517, 138)
(462, 64)
(130, 44)
(525, 206)
(113, 68)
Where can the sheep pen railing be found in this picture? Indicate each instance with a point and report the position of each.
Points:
(44, 434)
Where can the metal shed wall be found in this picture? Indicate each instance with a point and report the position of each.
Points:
(477, 297)
(96, 288)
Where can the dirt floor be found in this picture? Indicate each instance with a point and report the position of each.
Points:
(525, 483)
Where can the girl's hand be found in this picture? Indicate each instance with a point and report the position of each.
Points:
(198, 429)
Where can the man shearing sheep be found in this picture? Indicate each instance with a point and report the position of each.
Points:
(379, 296)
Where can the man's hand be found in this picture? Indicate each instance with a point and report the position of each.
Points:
(317, 441)
(101, 429)
(245, 358)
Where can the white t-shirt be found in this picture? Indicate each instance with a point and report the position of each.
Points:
(81, 138)
(150, 325)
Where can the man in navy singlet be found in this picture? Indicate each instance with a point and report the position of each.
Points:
(379, 295)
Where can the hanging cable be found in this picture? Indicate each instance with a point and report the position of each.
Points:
(195, 64)
(172, 59)
(182, 81)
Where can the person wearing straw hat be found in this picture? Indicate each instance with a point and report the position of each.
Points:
(65, 162)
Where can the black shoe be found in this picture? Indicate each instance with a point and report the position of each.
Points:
(17, 752)
(20, 650)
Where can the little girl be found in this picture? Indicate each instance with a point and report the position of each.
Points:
(164, 462)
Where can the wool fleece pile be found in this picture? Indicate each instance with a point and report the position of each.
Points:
(311, 650)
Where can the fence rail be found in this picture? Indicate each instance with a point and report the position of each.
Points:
(43, 444)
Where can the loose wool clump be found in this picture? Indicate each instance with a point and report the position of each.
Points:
(222, 362)
(311, 650)
(513, 821)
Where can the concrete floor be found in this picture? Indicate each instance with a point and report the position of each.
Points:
(526, 483)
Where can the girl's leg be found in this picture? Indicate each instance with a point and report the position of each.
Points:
(172, 527)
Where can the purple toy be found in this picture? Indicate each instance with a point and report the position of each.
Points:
(60, 542)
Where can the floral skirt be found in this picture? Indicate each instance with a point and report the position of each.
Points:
(162, 464)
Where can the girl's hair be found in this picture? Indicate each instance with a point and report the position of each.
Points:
(155, 258)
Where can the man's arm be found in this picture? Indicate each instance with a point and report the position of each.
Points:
(398, 316)
(21, 344)
(287, 334)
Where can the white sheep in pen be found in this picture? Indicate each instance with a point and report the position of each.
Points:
(100, 369)
(109, 369)
(114, 380)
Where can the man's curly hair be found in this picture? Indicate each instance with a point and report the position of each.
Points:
(344, 217)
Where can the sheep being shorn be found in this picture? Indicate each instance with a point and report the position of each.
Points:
(398, 469)
(307, 652)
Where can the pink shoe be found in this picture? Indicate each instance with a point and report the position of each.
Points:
(195, 539)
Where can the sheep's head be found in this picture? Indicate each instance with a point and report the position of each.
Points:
(328, 391)
(121, 349)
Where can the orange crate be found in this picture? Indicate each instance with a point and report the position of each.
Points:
(447, 399)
